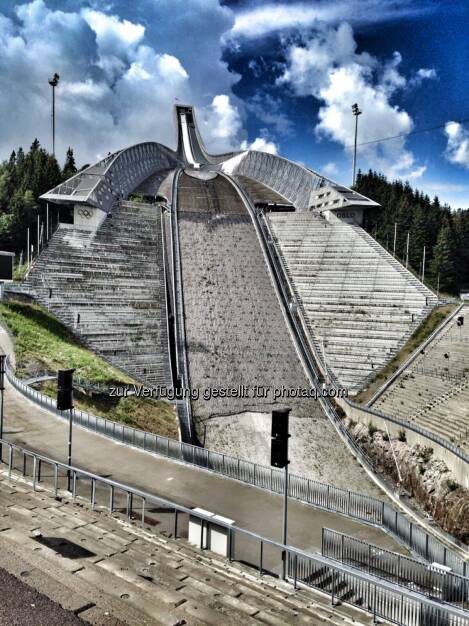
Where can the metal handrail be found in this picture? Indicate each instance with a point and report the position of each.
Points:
(394, 522)
(380, 598)
(184, 406)
(334, 382)
(320, 495)
(399, 568)
(440, 328)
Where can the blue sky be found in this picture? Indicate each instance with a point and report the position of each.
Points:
(279, 76)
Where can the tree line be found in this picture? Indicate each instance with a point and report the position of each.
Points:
(408, 212)
(413, 216)
(23, 178)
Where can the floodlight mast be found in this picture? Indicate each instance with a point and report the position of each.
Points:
(53, 82)
(356, 112)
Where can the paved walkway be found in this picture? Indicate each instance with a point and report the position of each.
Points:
(28, 425)
(252, 508)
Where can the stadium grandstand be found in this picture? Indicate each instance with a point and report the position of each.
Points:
(243, 283)
(197, 233)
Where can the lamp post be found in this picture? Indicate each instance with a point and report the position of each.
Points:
(53, 82)
(356, 112)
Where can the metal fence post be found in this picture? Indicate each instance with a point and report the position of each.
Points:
(56, 479)
(175, 523)
(111, 499)
(143, 512)
(34, 472)
(261, 558)
(10, 461)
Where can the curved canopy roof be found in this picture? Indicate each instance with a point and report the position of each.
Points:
(113, 177)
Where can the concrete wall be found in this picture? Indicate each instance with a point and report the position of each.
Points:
(87, 217)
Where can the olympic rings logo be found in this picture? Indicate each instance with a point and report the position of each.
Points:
(86, 213)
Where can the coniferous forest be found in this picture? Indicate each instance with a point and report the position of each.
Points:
(410, 213)
(443, 232)
(23, 178)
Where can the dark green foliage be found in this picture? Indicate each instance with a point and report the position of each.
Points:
(444, 233)
(70, 167)
(23, 178)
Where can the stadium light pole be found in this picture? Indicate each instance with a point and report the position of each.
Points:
(53, 82)
(356, 112)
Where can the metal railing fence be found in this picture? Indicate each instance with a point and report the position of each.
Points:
(345, 585)
(413, 535)
(183, 406)
(398, 568)
(355, 505)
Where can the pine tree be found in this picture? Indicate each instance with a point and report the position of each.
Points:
(442, 266)
(70, 167)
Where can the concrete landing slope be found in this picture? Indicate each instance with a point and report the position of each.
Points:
(236, 332)
(358, 301)
(109, 288)
(433, 392)
(237, 336)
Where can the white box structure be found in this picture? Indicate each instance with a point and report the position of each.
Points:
(219, 536)
(195, 529)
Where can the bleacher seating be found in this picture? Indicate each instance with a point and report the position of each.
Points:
(114, 574)
(434, 391)
(109, 288)
(360, 303)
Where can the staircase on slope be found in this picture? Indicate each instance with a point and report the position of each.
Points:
(108, 287)
(359, 302)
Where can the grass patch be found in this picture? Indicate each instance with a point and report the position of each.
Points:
(147, 414)
(44, 343)
(425, 329)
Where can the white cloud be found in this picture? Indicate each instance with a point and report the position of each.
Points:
(259, 21)
(261, 144)
(267, 109)
(437, 186)
(424, 73)
(457, 148)
(120, 76)
(328, 67)
(329, 168)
